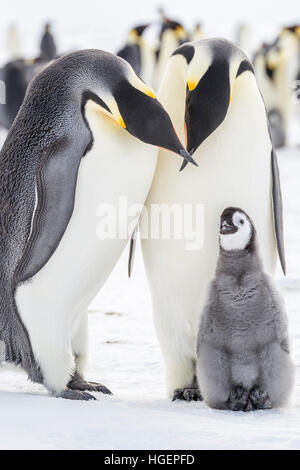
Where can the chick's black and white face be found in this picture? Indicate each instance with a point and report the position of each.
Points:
(235, 230)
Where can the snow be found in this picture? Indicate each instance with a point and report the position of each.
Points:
(125, 356)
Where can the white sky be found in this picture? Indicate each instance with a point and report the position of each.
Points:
(109, 19)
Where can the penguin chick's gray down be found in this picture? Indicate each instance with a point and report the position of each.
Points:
(243, 349)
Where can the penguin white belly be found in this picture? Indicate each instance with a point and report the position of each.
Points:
(234, 170)
(51, 305)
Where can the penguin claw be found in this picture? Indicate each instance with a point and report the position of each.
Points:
(238, 399)
(188, 394)
(242, 400)
(79, 384)
(75, 395)
(260, 399)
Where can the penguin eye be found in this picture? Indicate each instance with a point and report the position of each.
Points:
(241, 221)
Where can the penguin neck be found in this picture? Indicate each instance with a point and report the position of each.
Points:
(174, 84)
(238, 262)
(168, 44)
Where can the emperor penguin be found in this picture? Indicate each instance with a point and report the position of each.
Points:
(12, 74)
(48, 46)
(289, 42)
(172, 35)
(244, 38)
(270, 65)
(211, 94)
(276, 72)
(243, 346)
(139, 53)
(86, 135)
(16, 75)
(13, 42)
(197, 33)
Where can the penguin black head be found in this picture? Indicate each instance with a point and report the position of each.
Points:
(273, 57)
(109, 85)
(136, 33)
(237, 231)
(292, 29)
(210, 70)
(175, 27)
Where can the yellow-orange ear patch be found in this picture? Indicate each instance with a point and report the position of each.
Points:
(191, 84)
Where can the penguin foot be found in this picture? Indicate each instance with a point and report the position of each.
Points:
(260, 399)
(79, 384)
(187, 394)
(239, 399)
(75, 395)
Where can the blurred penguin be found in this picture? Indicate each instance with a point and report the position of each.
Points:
(276, 68)
(48, 47)
(12, 74)
(197, 33)
(13, 42)
(17, 74)
(289, 43)
(244, 38)
(139, 53)
(172, 35)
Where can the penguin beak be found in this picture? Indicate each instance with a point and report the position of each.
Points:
(227, 226)
(146, 119)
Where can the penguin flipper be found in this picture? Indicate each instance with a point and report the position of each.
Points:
(277, 209)
(55, 193)
(132, 248)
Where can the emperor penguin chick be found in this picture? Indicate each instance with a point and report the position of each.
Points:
(242, 347)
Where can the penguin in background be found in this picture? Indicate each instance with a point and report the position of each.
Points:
(13, 43)
(13, 76)
(243, 346)
(86, 134)
(271, 63)
(244, 38)
(172, 35)
(139, 53)
(289, 41)
(18, 73)
(210, 91)
(48, 46)
(197, 33)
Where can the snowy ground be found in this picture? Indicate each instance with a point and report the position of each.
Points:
(125, 356)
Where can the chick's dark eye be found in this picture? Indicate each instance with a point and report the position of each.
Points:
(241, 222)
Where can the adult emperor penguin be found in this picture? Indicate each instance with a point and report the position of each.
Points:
(270, 64)
(211, 94)
(78, 142)
(16, 75)
(139, 53)
(197, 33)
(171, 36)
(277, 67)
(47, 46)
